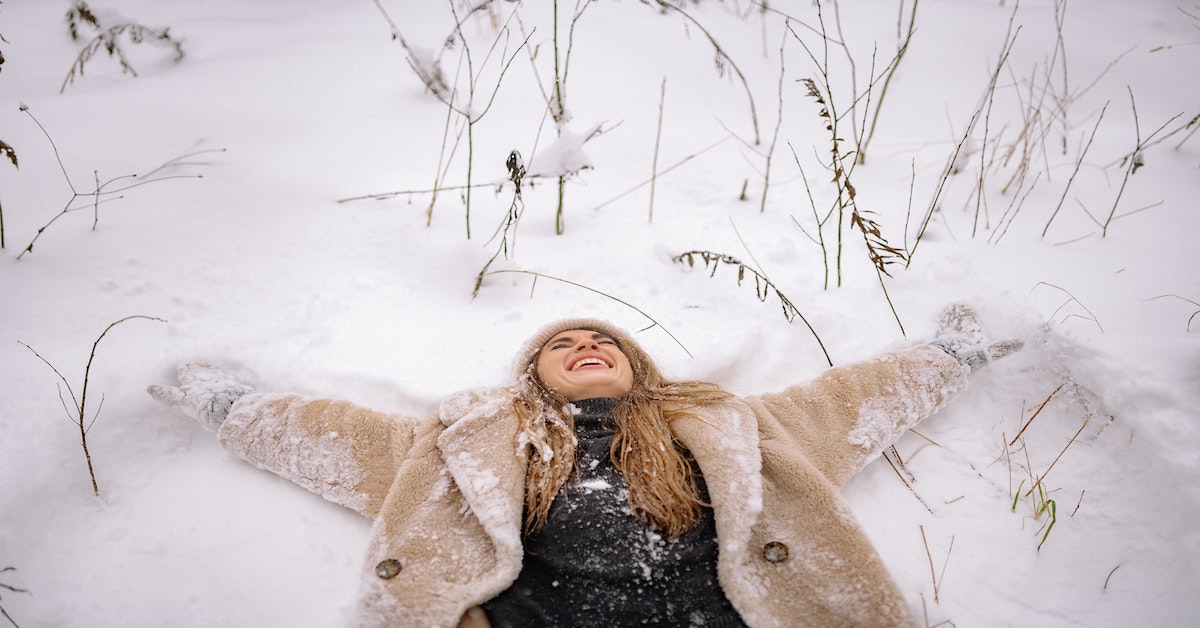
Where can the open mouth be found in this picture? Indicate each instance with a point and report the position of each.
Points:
(589, 362)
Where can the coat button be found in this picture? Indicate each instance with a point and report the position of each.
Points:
(775, 552)
(387, 569)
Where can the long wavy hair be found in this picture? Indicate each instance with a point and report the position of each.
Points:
(662, 483)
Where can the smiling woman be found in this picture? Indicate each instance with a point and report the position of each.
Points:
(581, 364)
(592, 491)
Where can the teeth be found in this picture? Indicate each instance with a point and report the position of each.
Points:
(587, 362)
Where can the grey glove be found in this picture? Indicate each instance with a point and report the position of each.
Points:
(960, 334)
(205, 393)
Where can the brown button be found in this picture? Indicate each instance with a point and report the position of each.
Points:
(775, 552)
(387, 569)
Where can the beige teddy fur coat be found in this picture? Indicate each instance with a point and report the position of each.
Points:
(446, 492)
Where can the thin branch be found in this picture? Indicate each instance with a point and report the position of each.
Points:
(635, 308)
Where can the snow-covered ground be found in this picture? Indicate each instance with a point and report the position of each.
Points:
(253, 263)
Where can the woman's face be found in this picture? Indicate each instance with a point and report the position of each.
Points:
(582, 364)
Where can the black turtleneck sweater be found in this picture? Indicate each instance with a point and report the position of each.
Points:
(596, 564)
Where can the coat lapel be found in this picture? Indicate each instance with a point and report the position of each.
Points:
(724, 441)
(480, 452)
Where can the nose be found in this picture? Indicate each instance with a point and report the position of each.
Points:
(587, 343)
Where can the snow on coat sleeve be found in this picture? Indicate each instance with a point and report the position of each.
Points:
(845, 417)
(345, 453)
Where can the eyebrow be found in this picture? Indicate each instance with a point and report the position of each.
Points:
(569, 338)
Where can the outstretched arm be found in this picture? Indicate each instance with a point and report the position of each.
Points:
(847, 416)
(844, 418)
(343, 452)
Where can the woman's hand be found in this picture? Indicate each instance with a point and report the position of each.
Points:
(205, 393)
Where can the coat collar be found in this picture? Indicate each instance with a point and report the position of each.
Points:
(724, 440)
(479, 447)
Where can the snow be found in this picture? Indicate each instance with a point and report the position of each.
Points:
(256, 266)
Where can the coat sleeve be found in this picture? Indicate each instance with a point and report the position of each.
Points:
(845, 417)
(345, 453)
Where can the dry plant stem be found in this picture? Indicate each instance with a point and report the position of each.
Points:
(662, 99)
(1134, 158)
(1009, 40)
(762, 207)
(1188, 328)
(762, 286)
(1014, 208)
(912, 22)
(820, 237)
(14, 590)
(661, 172)
(78, 414)
(1078, 165)
(516, 173)
(723, 58)
(450, 96)
(108, 40)
(906, 483)
(1109, 576)
(1035, 413)
(562, 66)
(1042, 478)
(1065, 303)
(937, 578)
(101, 193)
(537, 275)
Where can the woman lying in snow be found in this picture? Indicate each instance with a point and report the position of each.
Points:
(594, 492)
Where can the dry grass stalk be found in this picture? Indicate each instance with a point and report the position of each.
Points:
(763, 287)
(1041, 479)
(469, 112)
(78, 413)
(887, 80)
(1135, 159)
(507, 230)
(662, 99)
(9, 587)
(1078, 165)
(659, 173)
(1190, 318)
(722, 59)
(907, 485)
(1035, 414)
(11, 154)
(109, 40)
(1072, 299)
(103, 191)
(989, 91)
(762, 207)
(537, 275)
(937, 577)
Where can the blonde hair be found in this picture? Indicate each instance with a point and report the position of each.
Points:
(662, 484)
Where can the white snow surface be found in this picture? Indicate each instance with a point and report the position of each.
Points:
(256, 266)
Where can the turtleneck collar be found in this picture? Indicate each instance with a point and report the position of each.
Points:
(593, 417)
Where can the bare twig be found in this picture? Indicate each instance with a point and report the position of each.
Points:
(537, 275)
(1134, 159)
(722, 59)
(104, 190)
(1078, 164)
(14, 590)
(78, 414)
(662, 98)
(763, 287)
(1035, 413)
